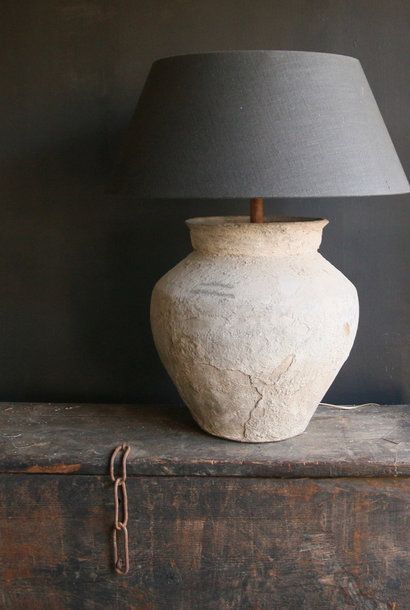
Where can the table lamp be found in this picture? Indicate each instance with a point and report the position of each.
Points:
(254, 325)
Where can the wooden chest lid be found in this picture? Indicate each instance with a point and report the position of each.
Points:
(165, 441)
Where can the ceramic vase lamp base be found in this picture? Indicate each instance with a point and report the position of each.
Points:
(254, 325)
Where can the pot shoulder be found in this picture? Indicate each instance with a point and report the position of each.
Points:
(222, 283)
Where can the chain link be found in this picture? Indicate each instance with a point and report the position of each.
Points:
(121, 559)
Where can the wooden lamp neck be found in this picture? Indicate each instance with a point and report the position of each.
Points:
(256, 211)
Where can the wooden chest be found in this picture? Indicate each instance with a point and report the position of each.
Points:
(316, 522)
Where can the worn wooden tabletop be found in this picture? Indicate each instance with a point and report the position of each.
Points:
(165, 441)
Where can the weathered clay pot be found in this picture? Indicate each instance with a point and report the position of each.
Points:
(254, 325)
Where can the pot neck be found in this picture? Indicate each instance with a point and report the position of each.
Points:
(237, 236)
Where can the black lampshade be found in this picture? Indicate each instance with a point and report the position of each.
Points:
(259, 124)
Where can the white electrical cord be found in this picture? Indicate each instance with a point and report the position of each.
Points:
(349, 407)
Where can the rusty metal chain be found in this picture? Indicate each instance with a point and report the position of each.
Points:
(121, 559)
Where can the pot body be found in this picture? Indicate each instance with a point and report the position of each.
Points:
(254, 325)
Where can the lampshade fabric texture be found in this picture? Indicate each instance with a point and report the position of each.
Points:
(259, 124)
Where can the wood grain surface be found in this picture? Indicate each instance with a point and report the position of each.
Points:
(206, 543)
(165, 441)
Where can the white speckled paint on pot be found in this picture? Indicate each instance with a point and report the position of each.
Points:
(254, 325)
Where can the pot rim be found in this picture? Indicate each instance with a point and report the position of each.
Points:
(245, 220)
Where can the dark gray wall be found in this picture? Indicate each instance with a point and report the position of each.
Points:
(77, 265)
